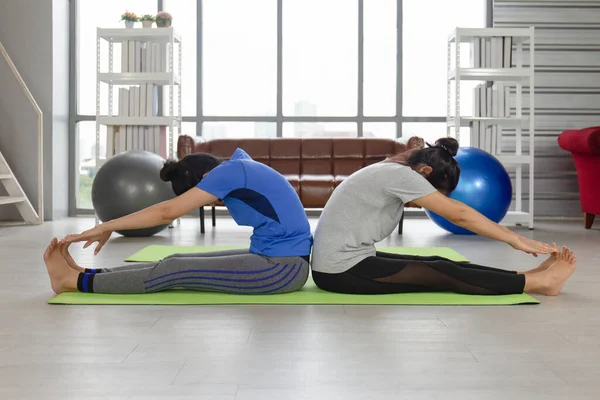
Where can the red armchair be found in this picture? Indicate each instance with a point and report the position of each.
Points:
(584, 145)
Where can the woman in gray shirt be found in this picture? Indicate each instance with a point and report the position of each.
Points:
(367, 207)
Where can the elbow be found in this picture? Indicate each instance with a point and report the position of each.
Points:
(166, 216)
(459, 217)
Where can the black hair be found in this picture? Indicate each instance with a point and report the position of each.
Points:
(187, 172)
(440, 157)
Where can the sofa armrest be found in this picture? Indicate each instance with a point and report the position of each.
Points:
(581, 140)
(186, 145)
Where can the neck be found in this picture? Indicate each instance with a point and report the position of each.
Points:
(398, 158)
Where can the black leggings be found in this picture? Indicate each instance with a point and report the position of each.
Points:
(387, 273)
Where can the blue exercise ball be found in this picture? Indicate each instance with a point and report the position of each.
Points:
(483, 185)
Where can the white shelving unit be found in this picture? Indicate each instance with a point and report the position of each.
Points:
(171, 115)
(517, 74)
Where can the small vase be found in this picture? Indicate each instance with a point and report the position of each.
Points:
(129, 24)
(163, 24)
(146, 24)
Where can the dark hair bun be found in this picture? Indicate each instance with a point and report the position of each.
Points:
(169, 170)
(450, 144)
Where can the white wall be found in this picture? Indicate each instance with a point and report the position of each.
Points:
(567, 91)
(38, 45)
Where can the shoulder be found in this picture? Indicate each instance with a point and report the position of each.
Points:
(240, 154)
(403, 175)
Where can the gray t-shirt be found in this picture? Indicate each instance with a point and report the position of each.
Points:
(363, 210)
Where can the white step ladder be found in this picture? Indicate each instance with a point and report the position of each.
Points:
(16, 195)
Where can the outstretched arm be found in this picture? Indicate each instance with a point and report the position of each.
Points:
(462, 215)
(162, 213)
(159, 214)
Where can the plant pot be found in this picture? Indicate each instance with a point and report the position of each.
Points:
(129, 24)
(147, 24)
(163, 24)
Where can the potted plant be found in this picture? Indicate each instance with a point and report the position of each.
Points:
(147, 20)
(163, 19)
(129, 18)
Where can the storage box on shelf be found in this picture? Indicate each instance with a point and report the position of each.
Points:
(150, 63)
(497, 60)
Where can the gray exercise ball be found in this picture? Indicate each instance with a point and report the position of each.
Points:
(130, 182)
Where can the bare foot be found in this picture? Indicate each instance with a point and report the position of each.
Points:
(62, 277)
(64, 251)
(546, 263)
(552, 279)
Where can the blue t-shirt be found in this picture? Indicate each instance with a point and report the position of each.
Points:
(256, 195)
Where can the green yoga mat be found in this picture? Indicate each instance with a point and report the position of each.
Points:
(309, 294)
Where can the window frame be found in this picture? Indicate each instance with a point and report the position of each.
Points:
(278, 119)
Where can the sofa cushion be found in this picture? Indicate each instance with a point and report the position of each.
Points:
(349, 148)
(339, 179)
(317, 149)
(348, 166)
(286, 149)
(286, 167)
(315, 190)
(294, 180)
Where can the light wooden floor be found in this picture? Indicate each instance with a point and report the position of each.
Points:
(548, 351)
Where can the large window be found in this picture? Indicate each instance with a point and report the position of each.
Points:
(314, 68)
(239, 57)
(320, 57)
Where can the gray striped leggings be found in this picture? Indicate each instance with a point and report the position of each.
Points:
(230, 271)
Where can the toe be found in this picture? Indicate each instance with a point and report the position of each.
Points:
(47, 252)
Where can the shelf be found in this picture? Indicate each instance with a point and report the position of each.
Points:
(505, 122)
(163, 121)
(514, 159)
(117, 35)
(468, 34)
(491, 74)
(133, 78)
(516, 217)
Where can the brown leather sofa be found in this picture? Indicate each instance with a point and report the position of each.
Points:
(313, 166)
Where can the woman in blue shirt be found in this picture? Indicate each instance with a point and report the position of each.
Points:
(255, 195)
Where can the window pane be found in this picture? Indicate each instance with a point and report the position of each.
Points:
(380, 57)
(105, 14)
(220, 130)
(320, 50)
(319, 129)
(425, 53)
(380, 129)
(188, 128)
(240, 57)
(432, 131)
(185, 22)
(86, 161)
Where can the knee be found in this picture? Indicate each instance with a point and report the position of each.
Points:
(298, 281)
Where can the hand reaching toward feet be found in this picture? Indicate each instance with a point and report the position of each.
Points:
(62, 277)
(63, 247)
(97, 234)
(533, 247)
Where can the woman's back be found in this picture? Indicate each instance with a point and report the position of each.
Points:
(362, 211)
